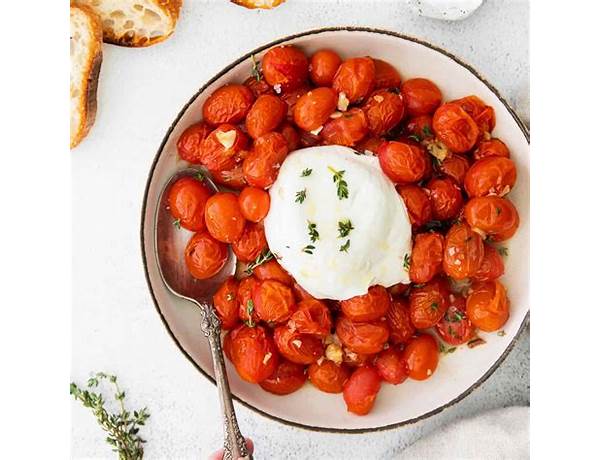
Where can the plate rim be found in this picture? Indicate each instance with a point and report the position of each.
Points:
(159, 152)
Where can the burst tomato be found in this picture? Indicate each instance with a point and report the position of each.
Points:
(314, 108)
(491, 148)
(355, 78)
(421, 96)
(455, 128)
(384, 110)
(246, 310)
(491, 176)
(285, 67)
(311, 317)
(328, 376)
(274, 301)
(455, 328)
(402, 162)
(291, 135)
(455, 166)
(492, 265)
(219, 149)
(347, 129)
(287, 378)
(224, 220)
(426, 258)
(298, 348)
(422, 356)
(429, 303)
(258, 86)
(463, 252)
(361, 389)
(446, 198)
(363, 337)
(386, 75)
(271, 270)
(483, 115)
(226, 303)
(397, 289)
(398, 319)
(251, 243)
(228, 104)
(370, 145)
(205, 256)
(188, 144)
(488, 306)
(252, 352)
(291, 99)
(261, 166)
(370, 306)
(231, 178)
(391, 366)
(254, 203)
(187, 199)
(420, 126)
(492, 216)
(266, 114)
(323, 66)
(418, 204)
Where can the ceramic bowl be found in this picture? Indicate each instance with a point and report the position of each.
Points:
(458, 373)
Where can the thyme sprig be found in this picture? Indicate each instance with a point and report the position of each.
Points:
(301, 196)
(406, 262)
(312, 231)
(344, 228)
(344, 247)
(307, 172)
(263, 257)
(255, 72)
(342, 185)
(308, 249)
(177, 224)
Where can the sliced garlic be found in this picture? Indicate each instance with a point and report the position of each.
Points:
(227, 138)
(334, 353)
(343, 102)
(378, 98)
(317, 131)
(267, 357)
(297, 343)
(335, 115)
(437, 149)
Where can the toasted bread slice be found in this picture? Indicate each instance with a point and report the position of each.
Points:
(86, 58)
(262, 4)
(135, 22)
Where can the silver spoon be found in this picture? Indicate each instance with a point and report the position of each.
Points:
(170, 243)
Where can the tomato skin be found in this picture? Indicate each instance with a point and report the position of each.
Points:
(223, 217)
(494, 216)
(232, 178)
(271, 270)
(491, 148)
(205, 256)
(300, 293)
(370, 145)
(429, 303)
(252, 352)
(254, 203)
(418, 204)
(455, 167)
(291, 99)
(311, 317)
(491, 176)
(398, 289)
(421, 96)
(422, 356)
(420, 126)
(314, 108)
(296, 347)
(488, 306)
(361, 389)
(265, 115)
(426, 258)
(226, 303)
(328, 376)
(391, 366)
(398, 319)
(285, 66)
(228, 104)
(188, 144)
(291, 136)
(367, 307)
(455, 128)
(323, 66)
(446, 198)
(245, 302)
(274, 301)
(386, 75)
(258, 87)
(402, 162)
(384, 110)
(455, 328)
(187, 199)
(463, 252)
(251, 244)
(355, 78)
(492, 266)
(287, 378)
(483, 115)
(362, 337)
(348, 129)
(261, 166)
(216, 156)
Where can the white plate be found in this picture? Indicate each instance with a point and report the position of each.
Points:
(458, 373)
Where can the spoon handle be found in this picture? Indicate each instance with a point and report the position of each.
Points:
(234, 444)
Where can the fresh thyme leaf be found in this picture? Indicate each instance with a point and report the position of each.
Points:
(456, 316)
(306, 172)
(344, 247)
(427, 131)
(308, 249)
(415, 137)
(249, 310)
(201, 175)
(406, 263)
(441, 347)
(312, 231)
(451, 350)
(475, 342)
(344, 227)
(434, 306)
(265, 256)
(177, 224)
(342, 185)
(502, 250)
(255, 72)
(501, 333)
(301, 196)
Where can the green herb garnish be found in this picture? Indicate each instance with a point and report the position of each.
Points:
(434, 306)
(307, 172)
(415, 137)
(501, 333)
(502, 251)
(406, 262)
(312, 231)
(427, 131)
(265, 256)
(342, 185)
(201, 175)
(255, 72)
(249, 310)
(301, 196)
(177, 224)
(344, 247)
(344, 227)
(308, 249)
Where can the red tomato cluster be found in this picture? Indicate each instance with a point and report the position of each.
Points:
(451, 174)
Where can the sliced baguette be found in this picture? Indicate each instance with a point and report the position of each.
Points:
(262, 4)
(135, 22)
(86, 58)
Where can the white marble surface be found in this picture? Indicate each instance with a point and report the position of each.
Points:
(115, 325)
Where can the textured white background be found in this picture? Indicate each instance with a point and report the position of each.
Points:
(115, 325)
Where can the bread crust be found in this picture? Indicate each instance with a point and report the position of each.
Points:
(253, 4)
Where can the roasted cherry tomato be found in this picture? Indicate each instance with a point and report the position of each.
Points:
(231, 178)
(300, 293)
(491, 176)
(492, 266)
(187, 199)
(483, 115)
(328, 376)
(421, 96)
(384, 110)
(226, 303)
(246, 311)
(298, 348)
(228, 104)
(492, 216)
(372, 305)
(391, 366)
(223, 217)
(402, 162)
(455, 328)
(323, 66)
(398, 318)
(426, 258)
(420, 126)
(366, 338)
(355, 78)
(370, 145)
(422, 356)
(428, 303)
(291, 99)
(287, 378)
(455, 166)
(314, 108)
(386, 75)
(353, 359)
(291, 136)
(463, 252)
(274, 301)
(455, 128)
(271, 270)
(309, 139)
(205, 256)
(361, 389)
(266, 114)
(398, 289)
(188, 145)
(446, 199)
(258, 86)
(418, 204)
(347, 129)
(491, 148)
(488, 306)
(254, 203)
(219, 149)
(285, 67)
(251, 244)
(261, 166)
(311, 317)
(252, 352)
